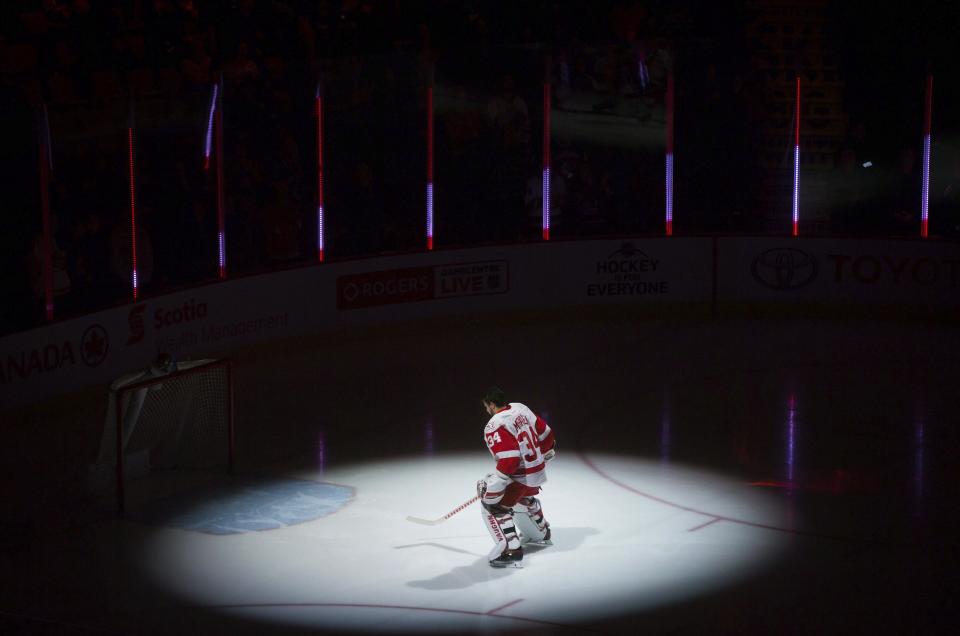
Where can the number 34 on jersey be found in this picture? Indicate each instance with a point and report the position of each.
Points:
(518, 438)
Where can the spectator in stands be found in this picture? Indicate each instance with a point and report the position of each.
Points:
(91, 271)
(61, 82)
(462, 124)
(858, 142)
(268, 50)
(646, 194)
(587, 201)
(196, 67)
(460, 142)
(509, 127)
(197, 245)
(371, 222)
(245, 24)
(906, 213)
(241, 68)
(605, 77)
(58, 258)
(509, 117)
(288, 171)
(608, 200)
(848, 194)
(282, 222)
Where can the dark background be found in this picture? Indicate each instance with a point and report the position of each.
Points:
(94, 67)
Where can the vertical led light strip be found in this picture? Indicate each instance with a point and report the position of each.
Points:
(796, 166)
(46, 163)
(207, 146)
(545, 223)
(221, 238)
(669, 166)
(927, 120)
(133, 209)
(430, 161)
(319, 99)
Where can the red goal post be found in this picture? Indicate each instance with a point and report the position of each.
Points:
(181, 419)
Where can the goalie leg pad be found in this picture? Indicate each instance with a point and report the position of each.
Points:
(531, 506)
(529, 518)
(502, 530)
(528, 530)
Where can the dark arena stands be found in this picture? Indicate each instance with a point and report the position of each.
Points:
(81, 73)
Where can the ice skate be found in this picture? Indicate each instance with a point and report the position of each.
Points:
(544, 541)
(508, 559)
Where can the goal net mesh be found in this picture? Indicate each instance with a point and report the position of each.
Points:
(169, 420)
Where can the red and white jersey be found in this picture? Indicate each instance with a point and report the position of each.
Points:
(518, 438)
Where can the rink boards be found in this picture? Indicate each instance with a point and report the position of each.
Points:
(660, 273)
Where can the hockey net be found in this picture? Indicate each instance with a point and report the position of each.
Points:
(164, 421)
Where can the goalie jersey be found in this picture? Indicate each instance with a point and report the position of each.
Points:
(518, 439)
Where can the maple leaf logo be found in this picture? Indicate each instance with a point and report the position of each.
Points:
(94, 345)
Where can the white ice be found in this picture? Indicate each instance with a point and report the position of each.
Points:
(629, 534)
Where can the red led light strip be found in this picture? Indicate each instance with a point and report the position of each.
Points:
(927, 121)
(796, 167)
(133, 210)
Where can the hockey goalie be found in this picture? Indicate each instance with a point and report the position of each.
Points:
(521, 444)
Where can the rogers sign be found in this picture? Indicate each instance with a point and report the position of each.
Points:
(386, 287)
(414, 284)
(163, 317)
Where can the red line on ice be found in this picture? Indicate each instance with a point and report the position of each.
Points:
(665, 502)
(497, 609)
(704, 525)
(397, 607)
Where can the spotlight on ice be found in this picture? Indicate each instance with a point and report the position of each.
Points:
(630, 535)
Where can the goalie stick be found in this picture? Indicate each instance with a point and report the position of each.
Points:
(433, 522)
